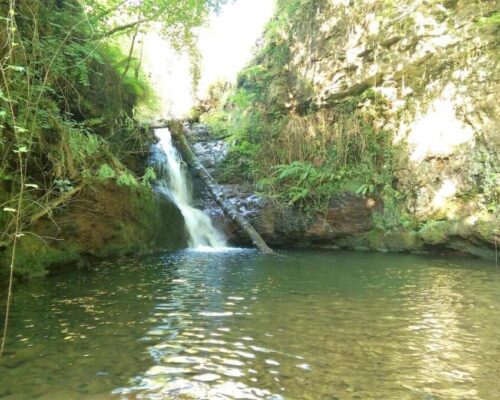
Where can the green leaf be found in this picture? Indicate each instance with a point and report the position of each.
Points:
(106, 172)
(20, 129)
(17, 68)
(22, 149)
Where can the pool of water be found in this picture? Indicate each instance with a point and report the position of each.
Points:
(240, 325)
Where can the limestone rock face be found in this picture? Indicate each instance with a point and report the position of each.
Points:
(436, 65)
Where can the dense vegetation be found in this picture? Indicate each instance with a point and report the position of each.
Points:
(302, 150)
(68, 97)
(369, 124)
(295, 152)
(72, 97)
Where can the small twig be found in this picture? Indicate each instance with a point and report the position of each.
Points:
(11, 23)
(57, 202)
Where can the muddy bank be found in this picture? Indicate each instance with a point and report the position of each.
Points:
(103, 221)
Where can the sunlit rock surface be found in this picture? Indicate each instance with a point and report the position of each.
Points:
(436, 64)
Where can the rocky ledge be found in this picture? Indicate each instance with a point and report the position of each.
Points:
(349, 221)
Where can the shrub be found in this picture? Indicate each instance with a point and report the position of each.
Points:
(218, 123)
(106, 172)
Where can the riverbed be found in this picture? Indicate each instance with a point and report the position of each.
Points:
(240, 325)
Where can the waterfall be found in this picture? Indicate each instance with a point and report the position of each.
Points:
(172, 181)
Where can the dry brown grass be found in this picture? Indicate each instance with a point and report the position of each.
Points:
(328, 137)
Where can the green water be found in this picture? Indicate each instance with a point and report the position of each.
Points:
(309, 325)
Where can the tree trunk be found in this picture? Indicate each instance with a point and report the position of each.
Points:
(178, 133)
(132, 45)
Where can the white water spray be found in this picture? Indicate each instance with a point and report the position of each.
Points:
(172, 181)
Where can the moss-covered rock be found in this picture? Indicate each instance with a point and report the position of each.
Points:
(488, 229)
(434, 232)
(105, 221)
(391, 104)
(34, 257)
(396, 240)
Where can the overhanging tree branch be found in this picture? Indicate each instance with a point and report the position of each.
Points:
(125, 27)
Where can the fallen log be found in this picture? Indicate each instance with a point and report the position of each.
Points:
(178, 131)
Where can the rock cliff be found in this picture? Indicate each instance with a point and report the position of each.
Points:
(421, 77)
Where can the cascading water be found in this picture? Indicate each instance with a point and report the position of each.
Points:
(172, 181)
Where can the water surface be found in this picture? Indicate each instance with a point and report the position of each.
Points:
(240, 325)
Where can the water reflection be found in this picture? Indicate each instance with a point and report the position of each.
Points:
(240, 325)
(440, 340)
(198, 351)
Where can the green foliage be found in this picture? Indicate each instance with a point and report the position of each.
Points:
(127, 179)
(296, 154)
(148, 177)
(135, 82)
(240, 162)
(105, 172)
(242, 99)
(83, 148)
(218, 123)
(483, 183)
(308, 159)
(68, 100)
(493, 20)
(299, 182)
(434, 232)
(366, 189)
(393, 216)
(264, 84)
(175, 18)
(250, 74)
(291, 7)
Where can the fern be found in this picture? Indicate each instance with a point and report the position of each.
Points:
(127, 179)
(106, 172)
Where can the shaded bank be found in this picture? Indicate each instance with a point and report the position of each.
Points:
(74, 178)
(104, 221)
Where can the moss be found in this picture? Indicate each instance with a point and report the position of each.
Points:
(35, 258)
(159, 220)
(434, 232)
(218, 123)
(376, 240)
(488, 229)
(355, 242)
(402, 240)
(468, 247)
(381, 240)
(116, 222)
